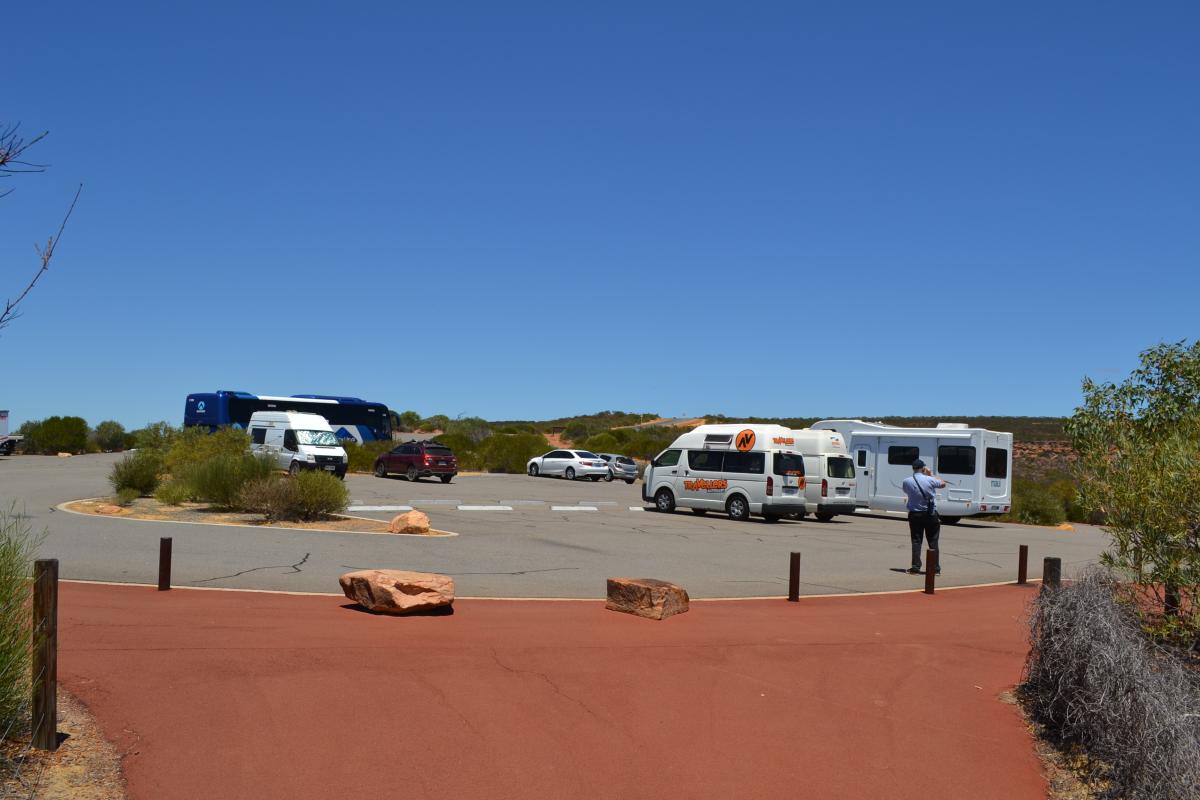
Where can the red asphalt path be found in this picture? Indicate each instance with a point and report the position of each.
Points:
(241, 695)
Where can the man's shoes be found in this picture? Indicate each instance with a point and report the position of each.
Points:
(914, 570)
(939, 571)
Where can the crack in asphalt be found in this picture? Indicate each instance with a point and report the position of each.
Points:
(295, 568)
(546, 678)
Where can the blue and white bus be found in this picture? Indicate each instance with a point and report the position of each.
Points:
(350, 417)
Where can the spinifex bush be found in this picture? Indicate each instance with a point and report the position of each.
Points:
(307, 496)
(173, 492)
(17, 546)
(137, 471)
(320, 494)
(219, 480)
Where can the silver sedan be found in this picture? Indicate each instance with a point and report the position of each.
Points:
(570, 464)
(620, 467)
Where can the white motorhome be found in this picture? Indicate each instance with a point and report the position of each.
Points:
(8, 443)
(975, 463)
(297, 441)
(828, 472)
(738, 469)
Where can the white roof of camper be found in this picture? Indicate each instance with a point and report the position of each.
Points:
(721, 437)
(947, 430)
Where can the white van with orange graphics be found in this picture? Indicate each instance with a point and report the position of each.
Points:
(738, 469)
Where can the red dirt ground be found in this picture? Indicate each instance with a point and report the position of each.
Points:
(242, 695)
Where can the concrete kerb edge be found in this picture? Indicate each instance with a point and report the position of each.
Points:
(63, 507)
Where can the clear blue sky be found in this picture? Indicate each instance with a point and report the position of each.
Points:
(526, 210)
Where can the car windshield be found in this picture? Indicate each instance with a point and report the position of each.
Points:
(317, 438)
(585, 454)
(841, 467)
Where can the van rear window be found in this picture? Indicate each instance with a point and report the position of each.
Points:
(789, 464)
(841, 467)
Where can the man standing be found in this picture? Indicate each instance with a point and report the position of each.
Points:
(923, 518)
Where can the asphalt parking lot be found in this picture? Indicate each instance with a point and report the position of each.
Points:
(519, 537)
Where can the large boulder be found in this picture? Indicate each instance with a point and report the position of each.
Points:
(409, 522)
(397, 591)
(646, 597)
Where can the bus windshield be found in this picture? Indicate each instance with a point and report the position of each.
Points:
(317, 438)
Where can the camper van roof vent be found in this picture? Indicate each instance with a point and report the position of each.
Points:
(717, 438)
(954, 426)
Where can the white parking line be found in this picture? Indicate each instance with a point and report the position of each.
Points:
(573, 508)
(379, 508)
(637, 508)
(485, 508)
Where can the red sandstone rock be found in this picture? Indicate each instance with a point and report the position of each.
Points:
(410, 522)
(395, 591)
(646, 597)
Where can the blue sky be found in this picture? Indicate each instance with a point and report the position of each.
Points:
(528, 210)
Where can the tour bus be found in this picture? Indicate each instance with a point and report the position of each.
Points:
(349, 417)
(738, 469)
(828, 472)
(297, 441)
(975, 463)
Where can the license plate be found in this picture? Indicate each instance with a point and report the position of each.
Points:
(330, 467)
(843, 490)
(789, 489)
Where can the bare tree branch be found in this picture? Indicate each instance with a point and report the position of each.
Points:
(10, 313)
(12, 146)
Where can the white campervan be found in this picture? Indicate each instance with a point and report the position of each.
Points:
(828, 472)
(738, 469)
(975, 463)
(297, 441)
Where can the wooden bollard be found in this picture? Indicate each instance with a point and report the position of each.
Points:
(164, 563)
(45, 654)
(1023, 565)
(1051, 571)
(931, 566)
(794, 579)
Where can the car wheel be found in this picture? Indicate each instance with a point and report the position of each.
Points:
(664, 501)
(629, 480)
(951, 520)
(381, 470)
(569, 474)
(294, 469)
(533, 470)
(699, 512)
(608, 476)
(737, 508)
(447, 478)
(824, 517)
(412, 474)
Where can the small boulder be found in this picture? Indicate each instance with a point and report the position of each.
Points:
(646, 597)
(64, 455)
(409, 522)
(109, 508)
(396, 591)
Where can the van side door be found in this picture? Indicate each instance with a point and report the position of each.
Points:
(703, 483)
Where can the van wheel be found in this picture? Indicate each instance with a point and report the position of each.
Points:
(381, 470)
(664, 501)
(699, 512)
(294, 469)
(569, 474)
(951, 520)
(737, 508)
(533, 470)
(824, 517)
(412, 474)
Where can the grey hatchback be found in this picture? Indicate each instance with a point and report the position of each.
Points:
(622, 467)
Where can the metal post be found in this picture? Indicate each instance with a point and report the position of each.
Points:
(794, 579)
(1051, 571)
(1023, 565)
(45, 654)
(931, 566)
(164, 563)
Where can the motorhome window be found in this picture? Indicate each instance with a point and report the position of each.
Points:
(841, 467)
(259, 436)
(956, 459)
(749, 463)
(718, 438)
(997, 463)
(707, 460)
(862, 458)
(317, 438)
(289, 440)
(668, 458)
(903, 455)
(789, 464)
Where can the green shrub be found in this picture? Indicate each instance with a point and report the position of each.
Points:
(464, 450)
(320, 494)
(193, 446)
(1034, 504)
(57, 435)
(219, 480)
(126, 496)
(109, 436)
(155, 436)
(17, 548)
(138, 471)
(361, 457)
(602, 443)
(173, 492)
(509, 452)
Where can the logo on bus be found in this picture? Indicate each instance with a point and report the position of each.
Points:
(200, 407)
(702, 485)
(745, 440)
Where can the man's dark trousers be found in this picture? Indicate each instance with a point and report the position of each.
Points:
(923, 523)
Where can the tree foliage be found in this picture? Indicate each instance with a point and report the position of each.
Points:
(1139, 467)
(109, 435)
